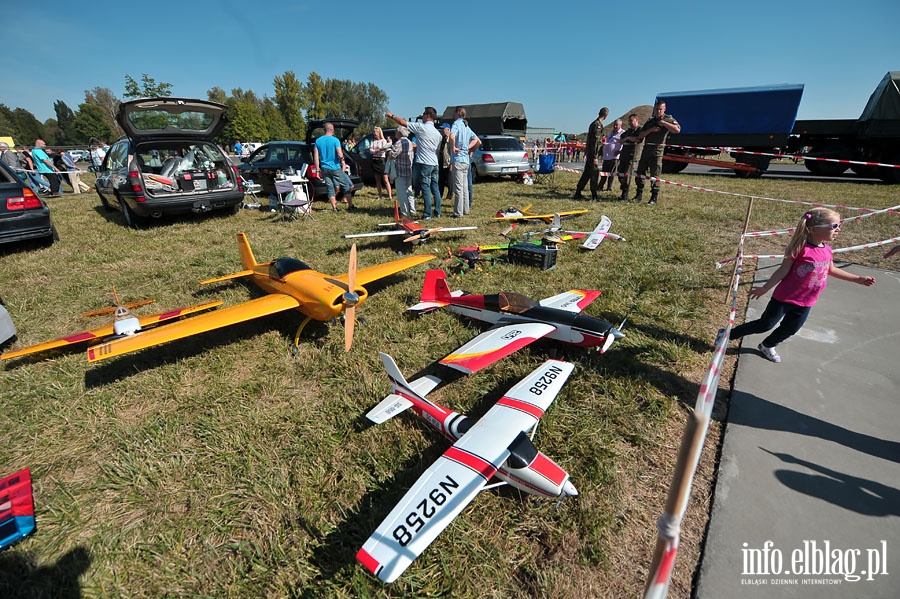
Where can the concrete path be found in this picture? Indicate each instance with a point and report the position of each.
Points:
(809, 479)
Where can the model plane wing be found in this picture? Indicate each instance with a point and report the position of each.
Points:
(494, 344)
(574, 300)
(256, 308)
(548, 218)
(596, 235)
(380, 271)
(452, 482)
(106, 330)
(376, 234)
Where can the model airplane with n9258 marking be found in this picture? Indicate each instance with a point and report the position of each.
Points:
(497, 444)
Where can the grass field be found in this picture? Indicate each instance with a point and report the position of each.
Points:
(226, 466)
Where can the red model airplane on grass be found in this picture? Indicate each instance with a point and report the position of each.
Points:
(516, 320)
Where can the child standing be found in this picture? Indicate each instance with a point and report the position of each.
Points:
(798, 281)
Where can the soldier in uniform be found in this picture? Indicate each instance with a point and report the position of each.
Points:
(592, 151)
(654, 133)
(631, 148)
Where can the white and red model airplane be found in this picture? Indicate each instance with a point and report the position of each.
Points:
(517, 321)
(497, 445)
(413, 232)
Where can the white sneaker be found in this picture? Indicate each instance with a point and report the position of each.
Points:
(769, 353)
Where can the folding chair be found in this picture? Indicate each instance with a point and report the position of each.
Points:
(545, 170)
(251, 189)
(293, 199)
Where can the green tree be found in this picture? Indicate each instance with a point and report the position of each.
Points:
(52, 134)
(217, 94)
(90, 121)
(275, 124)
(29, 127)
(109, 104)
(289, 100)
(247, 123)
(314, 96)
(64, 119)
(148, 87)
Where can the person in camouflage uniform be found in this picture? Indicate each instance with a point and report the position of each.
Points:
(592, 152)
(654, 134)
(631, 148)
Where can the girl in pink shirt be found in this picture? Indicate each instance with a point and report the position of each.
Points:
(798, 281)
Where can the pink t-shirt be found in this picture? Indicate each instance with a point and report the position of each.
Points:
(807, 278)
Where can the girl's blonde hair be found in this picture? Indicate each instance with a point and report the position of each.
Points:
(813, 217)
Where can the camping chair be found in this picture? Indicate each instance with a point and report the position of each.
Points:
(545, 170)
(293, 198)
(251, 188)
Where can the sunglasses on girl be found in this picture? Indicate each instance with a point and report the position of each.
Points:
(831, 226)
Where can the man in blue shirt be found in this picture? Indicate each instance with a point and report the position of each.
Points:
(45, 166)
(462, 141)
(329, 157)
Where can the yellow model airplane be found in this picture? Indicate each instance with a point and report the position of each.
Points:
(290, 284)
(525, 214)
(125, 324)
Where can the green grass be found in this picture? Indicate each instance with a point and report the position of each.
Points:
(225, 466)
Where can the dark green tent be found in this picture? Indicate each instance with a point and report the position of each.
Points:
(498, 118)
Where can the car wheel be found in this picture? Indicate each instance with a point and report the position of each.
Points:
(236, 208)
(131, 219)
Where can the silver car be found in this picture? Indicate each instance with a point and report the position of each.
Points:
(499, 156)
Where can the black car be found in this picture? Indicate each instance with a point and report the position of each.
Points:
(362, 153)
(167, 162)
(23, 215)
(262, 165)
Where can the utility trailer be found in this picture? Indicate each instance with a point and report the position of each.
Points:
(763, 119)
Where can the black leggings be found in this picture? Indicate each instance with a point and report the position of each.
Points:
(791, 316)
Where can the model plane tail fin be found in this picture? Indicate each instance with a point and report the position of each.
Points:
(247, 259)
(435, 292)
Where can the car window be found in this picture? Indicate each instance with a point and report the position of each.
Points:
(258, 156)
(294, 153)
(277, 154)
(117, 155)
(502, 144)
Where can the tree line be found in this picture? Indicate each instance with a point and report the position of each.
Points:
(250, 117)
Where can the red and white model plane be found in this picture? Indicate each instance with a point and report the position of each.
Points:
(412, 230)
(497, 445)
(517, 321)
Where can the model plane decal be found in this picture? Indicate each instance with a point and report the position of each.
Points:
(495, 445)
(290, 284)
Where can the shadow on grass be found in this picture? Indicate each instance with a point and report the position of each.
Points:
(22, 578)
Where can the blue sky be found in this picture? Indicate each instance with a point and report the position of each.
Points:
(561, 60)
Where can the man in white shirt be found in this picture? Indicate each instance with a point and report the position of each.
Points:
(428, 138)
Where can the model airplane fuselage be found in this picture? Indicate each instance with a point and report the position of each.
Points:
(496, 445)
(525, 214)
(516, 321)
(289, 284)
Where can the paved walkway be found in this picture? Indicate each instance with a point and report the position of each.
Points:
(811, 455)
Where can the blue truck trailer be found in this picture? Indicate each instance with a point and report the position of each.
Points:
(764, 119)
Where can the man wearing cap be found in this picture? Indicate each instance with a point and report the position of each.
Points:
(427, 140)
(592, 152)
(444, 156)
